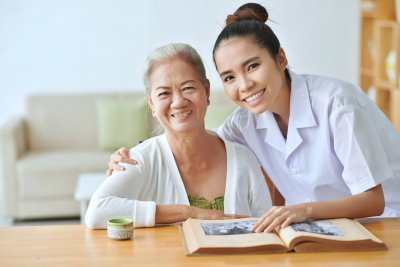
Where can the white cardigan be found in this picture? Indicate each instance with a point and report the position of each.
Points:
(135, 192)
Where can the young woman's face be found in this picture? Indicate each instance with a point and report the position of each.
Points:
(250, 76)
(178, 97)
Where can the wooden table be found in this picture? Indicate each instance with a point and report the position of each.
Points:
(75, 245)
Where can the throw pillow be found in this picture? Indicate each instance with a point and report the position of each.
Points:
(121, 123)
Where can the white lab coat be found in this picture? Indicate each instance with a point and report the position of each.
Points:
(338, 143)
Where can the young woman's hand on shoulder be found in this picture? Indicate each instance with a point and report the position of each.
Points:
(119, 156)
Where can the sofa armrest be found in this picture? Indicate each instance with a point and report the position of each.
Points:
(13, 144)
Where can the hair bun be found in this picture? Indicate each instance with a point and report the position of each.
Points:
(249, 11)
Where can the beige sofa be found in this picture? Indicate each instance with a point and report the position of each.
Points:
(43, 153)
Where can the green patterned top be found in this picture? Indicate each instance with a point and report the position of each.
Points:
(201, 202)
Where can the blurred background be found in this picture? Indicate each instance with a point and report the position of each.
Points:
(99, 46)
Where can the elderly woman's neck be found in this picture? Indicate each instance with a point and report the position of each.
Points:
(191, 146)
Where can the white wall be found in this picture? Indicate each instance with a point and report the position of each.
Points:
(100, 45)
(92, 45)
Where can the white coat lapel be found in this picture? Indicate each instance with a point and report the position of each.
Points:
(273, 136)
(293, 141)
(301, 114)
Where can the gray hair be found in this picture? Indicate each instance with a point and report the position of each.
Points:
(170, 51)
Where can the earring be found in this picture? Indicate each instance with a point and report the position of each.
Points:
(208, 101)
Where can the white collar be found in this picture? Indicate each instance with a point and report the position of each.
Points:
(301, 116)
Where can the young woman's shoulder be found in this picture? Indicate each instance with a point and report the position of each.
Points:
(338, 92)
(240, 117)
(330, 85)
(241, 152)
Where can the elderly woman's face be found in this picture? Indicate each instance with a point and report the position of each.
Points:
(178, 97)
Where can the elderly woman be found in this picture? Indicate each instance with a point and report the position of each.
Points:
(187, 171)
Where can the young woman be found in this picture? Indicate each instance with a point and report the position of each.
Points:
(325, 145)
(188, 171)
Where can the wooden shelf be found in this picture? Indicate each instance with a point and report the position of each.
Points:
(395, 108)
(380, 35)
(387, 39)
(368, 48)
(367, 72)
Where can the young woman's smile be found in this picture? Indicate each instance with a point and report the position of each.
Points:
(251, 77)
(256, 98)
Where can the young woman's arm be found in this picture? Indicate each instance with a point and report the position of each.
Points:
(365, 204)
(276, 196)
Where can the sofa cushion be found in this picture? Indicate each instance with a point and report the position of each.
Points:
(219, 109)
(48, 207)
(216, 115)
(55, 174)
(121, 123)
(66, 121)
(61, 121)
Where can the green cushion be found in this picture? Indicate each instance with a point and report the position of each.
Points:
(121, 123)
(216, 114)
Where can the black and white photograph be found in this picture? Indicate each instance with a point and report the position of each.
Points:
(322, 228)
(229, 228)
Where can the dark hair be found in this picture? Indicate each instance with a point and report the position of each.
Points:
(249, 20)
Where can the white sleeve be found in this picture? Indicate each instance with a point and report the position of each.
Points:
(358, 147)
(117, 198)
(230, 130)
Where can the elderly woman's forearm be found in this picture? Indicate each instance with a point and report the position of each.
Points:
(171, 213)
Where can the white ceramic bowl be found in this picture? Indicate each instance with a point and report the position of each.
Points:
(120, 228)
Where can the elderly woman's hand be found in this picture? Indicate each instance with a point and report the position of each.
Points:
(119, 156)
(177, 213)
(207, 214)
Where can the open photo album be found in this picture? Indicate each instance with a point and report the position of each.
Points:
(236, 236)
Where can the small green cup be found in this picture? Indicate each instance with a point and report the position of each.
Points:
(120, 228)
